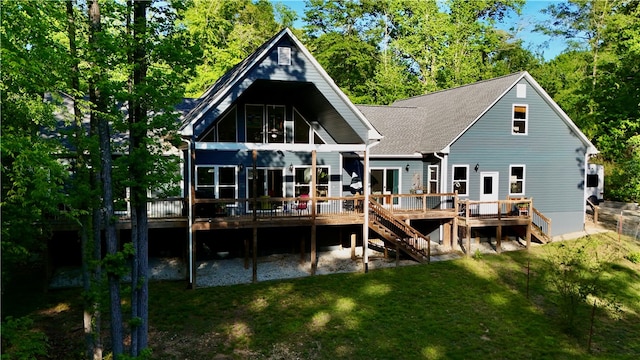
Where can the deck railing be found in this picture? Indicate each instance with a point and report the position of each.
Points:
(495, 209)
(279, 207)
(416, 202)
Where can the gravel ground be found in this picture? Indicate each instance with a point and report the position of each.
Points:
(286, 266)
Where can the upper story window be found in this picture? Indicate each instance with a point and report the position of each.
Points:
(516, 179)
(265, 124)
(301, 129)
(224, 130)
(461, 179)
(520, 119)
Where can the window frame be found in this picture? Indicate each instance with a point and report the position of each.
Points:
(430, 170)
(525, 120)
(216, 185)
(319, 186)
(454, 180)
(523, 180)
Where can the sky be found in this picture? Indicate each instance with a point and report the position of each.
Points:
(525, 22)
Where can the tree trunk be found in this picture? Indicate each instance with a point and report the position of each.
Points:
(91, 314)
(107, 189)
(139, 160)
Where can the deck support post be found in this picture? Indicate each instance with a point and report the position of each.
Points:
(499, 239)
(254, 275)
(446, 234)
(314, 202)
(468, 246)
(314, 253)
(246, 254)
(528, 235)
(397, 254)
(302, 250)
(193, 260)
(353, 246)
(454, 233)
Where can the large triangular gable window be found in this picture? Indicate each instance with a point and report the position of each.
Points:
(224, 129)
(302, 131)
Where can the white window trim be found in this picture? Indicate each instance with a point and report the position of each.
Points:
(265, 118)
(431, 168)
(526, 120)
(524, 179)
(453, 181)
(267, 168)
(216, 179)
(312, 193)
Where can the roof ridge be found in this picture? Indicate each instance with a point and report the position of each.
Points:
(480, 82)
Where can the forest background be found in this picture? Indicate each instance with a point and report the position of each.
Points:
(148, 55)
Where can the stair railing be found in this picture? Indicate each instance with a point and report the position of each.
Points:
(407, 235)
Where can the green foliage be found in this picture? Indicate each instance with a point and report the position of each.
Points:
(20, 341)
(574, 271)
(634, 257)
(118, 263)
(477, 255)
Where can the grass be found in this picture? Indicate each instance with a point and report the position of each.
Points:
(467, 308)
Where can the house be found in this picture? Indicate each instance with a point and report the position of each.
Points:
(274, 150)
(494, 139)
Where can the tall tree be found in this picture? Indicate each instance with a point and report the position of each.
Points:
(99, 111)
(227, 32)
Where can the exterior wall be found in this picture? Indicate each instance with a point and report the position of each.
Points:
(405, 177)
(274, 160)
(333, 109)
(553, 155)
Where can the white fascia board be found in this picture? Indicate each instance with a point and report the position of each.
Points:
(281, 147)
(235, 81)
(373, 134)
(487, 109)
(591, 149)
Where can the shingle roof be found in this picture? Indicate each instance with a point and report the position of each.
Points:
(429, 123)
(228, 78)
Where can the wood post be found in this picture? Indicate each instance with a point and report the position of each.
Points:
(194, 242)
(446, 233)
(314, 202)
(528, 235)
(454, 233)
(499, 239)
(302, 250)
(468, 234)
(254, 275)
(353, 246)
(246, 253)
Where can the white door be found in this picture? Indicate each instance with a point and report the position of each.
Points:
(489, 192)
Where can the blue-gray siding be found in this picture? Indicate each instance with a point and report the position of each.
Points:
(553, 155)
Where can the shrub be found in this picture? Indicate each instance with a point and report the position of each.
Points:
(20, 341)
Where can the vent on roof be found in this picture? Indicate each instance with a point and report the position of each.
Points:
(284, 55)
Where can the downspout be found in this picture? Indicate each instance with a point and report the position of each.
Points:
(189, 211)
(443, 183)
(367, 191)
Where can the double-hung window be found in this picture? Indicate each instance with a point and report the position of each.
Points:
(433, 179)
(461, 179)
(216, 182)
(516, 179)
(519, 123)
(302, 181)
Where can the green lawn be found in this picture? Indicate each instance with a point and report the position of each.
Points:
(461, 309)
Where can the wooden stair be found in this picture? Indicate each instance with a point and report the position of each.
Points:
(407, 239)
